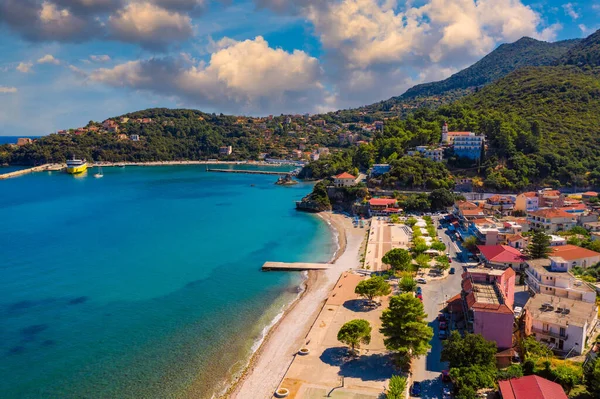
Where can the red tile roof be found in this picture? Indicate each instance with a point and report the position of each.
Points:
(501, 253)
(345, 175)
(530, 387)
(573, 252)
(530, 194)
(590, 194)
(382, 201)
(459, 133)
(551, 213)
(472, 212)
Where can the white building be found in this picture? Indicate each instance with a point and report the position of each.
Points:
(562, 324)
(135, 137)
(543, 277)
(344, 180)
(435, 154)
(226, 150)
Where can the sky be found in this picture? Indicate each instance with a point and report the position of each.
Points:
(66, 62)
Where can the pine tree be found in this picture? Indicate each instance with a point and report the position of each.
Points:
(539, 246)
(405, 328)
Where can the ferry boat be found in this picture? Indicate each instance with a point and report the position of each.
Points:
(76, 166)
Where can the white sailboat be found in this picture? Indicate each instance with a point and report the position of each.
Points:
(99, 174)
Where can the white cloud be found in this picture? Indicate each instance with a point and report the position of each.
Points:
(48, 59)
(374, 47)
(570, 11)
(25, 67)
(8, 90)
(247, 76)
(150, 26)
(100, 58)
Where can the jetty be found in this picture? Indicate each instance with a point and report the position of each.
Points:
(294, 266)
(42, 168)
(252, 172)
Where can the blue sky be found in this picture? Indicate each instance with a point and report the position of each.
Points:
(65, 62)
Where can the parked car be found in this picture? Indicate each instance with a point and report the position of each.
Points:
(421, 280)
(445, 376)
(441, 317)
(415, 389)
(517, 311)
(449, 260)
(443, 334)
(420, 296)
(516, 358)
(452, 271)
(443, 325)
(419, 290)
(440, 227)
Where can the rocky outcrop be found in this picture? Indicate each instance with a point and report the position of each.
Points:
(286, 180)
(316, 201)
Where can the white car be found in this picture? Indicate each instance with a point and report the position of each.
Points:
(517, 311)
(421, 281)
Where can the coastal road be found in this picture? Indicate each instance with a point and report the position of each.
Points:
(427, 369)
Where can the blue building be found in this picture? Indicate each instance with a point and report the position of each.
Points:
(468, 146)
(380, 168)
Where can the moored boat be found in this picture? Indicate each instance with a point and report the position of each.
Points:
(76, 166)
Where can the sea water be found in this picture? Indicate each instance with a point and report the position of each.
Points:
(145, 283)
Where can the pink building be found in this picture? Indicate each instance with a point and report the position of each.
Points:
(488, 299)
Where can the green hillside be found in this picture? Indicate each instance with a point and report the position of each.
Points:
(500, 62)
(584, 53)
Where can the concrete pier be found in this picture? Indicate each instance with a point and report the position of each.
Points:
(41, 168)
(298, 266)
(252, 172)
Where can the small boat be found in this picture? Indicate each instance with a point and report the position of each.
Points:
(252, 185)
(121, 165)
(99, 174)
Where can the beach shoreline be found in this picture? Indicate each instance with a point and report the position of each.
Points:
(268, 364)
(184, 163)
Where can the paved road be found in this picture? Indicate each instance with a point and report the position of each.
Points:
(427, 369)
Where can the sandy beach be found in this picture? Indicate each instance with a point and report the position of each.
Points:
(271, 361)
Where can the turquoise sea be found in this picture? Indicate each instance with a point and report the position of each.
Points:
(145, 283)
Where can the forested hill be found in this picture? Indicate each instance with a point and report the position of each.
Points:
(499, 63)
(584, 53)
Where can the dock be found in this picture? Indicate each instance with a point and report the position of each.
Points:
(298, 266)
(252, 172)
(41, 168)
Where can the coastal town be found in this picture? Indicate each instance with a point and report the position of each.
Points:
(510, 279)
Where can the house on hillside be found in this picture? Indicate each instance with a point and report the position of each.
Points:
(344, 180)
(383, 206)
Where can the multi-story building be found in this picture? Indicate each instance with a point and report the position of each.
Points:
(563, 324)
(468, 146)
(383, 206)
(544, 277)
(527, 202)
(549, 198)
(551, 220)
(488, 299)
(466, 211)
(435, 154)
(499, 203)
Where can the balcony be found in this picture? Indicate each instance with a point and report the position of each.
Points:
(549, 333)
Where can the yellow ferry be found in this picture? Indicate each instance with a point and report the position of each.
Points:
(76, 166)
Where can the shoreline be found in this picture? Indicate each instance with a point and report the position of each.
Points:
(268, 364)
(174, 163)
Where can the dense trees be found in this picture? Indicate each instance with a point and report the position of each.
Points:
(354, 333)
(405, 328)
(372, 287)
